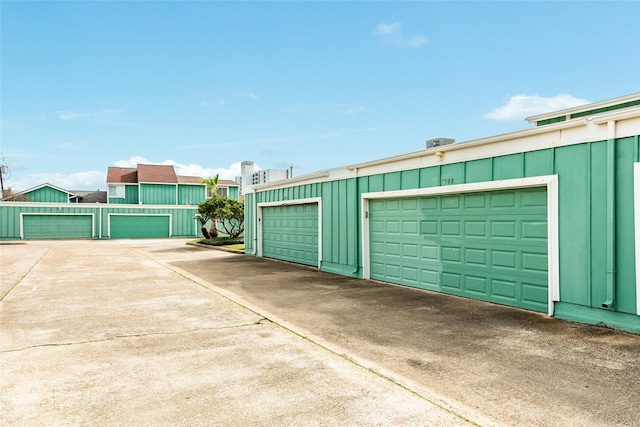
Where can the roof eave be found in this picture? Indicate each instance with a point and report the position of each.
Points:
(585, 107)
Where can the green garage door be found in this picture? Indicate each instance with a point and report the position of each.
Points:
(490, 246)
(290, 233)
(138, 226)
(57, 226)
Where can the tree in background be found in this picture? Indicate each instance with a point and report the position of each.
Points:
(203, 219)
(229, 212)
(212, 186)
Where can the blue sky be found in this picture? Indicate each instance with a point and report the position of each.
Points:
(314, 85)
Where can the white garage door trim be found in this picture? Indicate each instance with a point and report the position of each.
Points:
(310, 200)
(636, 221)
(549, 181)
(23, 214)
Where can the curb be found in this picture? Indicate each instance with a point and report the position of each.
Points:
(220, 248)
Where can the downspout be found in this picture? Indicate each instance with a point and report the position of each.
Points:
(611, 216)
(355, 232)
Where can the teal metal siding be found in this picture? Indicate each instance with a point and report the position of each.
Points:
(183, 223)
(47, 195)
(10, 216)
(158, 194)
(191, 194)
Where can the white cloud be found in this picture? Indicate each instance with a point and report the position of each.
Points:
(191, 169)
(132, 162)
(91, 115)
(392, 35)
(251, 95)
(414, 41)
(345, 109)
(353, 109)
(518, 107)
(91, 180)
(218, 103)
(387, 29)
(71, 145)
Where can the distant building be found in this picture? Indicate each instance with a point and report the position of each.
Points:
(148, 201)
(250, 177)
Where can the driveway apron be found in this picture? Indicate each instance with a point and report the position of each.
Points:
(490, 363)
(107, 333)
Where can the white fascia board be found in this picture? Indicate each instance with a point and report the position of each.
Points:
(585, 107)
(50, 205)
(616, 115)
(288, 181)
(580, 131)
(503, 139)
(46, 184)
(93, 205)
(291, 202)
(465, 188)
(159, 183)
(576, 131)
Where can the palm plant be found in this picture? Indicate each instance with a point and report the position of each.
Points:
(212, 186)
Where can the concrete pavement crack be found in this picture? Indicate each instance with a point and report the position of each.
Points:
(141, 335)
(24, 275)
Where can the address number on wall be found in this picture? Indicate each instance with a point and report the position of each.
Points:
(446, 181)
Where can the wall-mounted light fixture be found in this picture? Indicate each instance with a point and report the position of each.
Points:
(440, 155)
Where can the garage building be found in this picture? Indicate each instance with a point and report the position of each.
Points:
(543, 219)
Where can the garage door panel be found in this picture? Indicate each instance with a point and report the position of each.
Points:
(290, 233)
(139, 226)
(477, 285)
(410, 250)
(475, 256)
(479, 245)
(57, 226)
(534, 230)
(429, 279)
(535, 262)
(534, 293)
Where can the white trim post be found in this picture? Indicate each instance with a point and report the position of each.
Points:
(636, 222)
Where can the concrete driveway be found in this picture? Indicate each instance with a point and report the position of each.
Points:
(105, 333)
(489, 363)
(161, 333)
